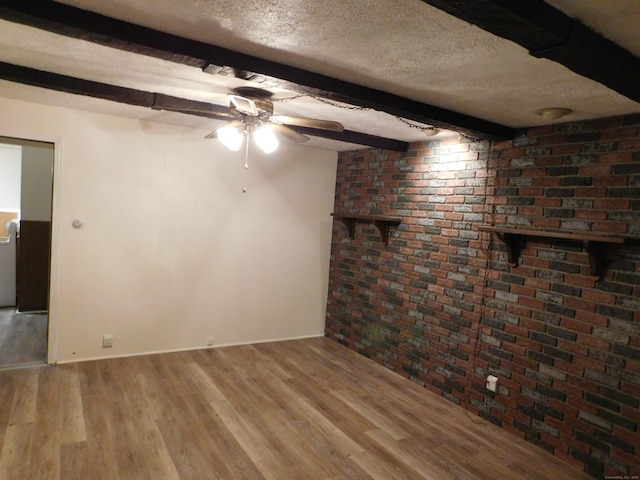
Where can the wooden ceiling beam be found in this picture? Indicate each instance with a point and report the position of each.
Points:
(81, 24)
(548, 33)
(158, 101)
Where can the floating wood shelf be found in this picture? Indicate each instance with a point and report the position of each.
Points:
(382, 222)
(593, 243)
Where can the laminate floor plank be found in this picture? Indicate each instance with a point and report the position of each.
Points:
(74, 461)
(15, 457)
(301, 410)
(23, 406)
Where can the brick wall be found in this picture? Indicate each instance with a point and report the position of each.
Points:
(440, 305)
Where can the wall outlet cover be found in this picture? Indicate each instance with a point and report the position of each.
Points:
(107, 341)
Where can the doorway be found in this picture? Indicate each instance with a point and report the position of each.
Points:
(26, 188)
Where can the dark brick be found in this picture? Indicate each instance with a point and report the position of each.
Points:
(540, 357)
(583, 137)
(580, 159)
(524, 141)
(507, 192)
(548, 318)
(616, 312)
(547, 410)
(530, 412)
(557, 353)
(463, 322)
(618, 420)
(576, 182)
(506, 337)
(514, 279)
(449, 326)
(493, 323)
(631, 120)
(500, 353)
(560, 309)
(625, 277)
(562, 333)
(527, 429)
(521, 200)
(559, 212)
(509, 172)
(565, 267)
(573, 127)
(543, 338)
(627, 352)
(550, 392)
(593, 465)
(559, 192)
(566, 289)
(626, 169)
(590, 440)
(562, 171)
(614, 287)
(599, 147)
(538, 151)
(601, 402)
(620, 397)
(616, 442)
(624, 192)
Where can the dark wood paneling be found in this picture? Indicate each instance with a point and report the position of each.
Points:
(34, 259)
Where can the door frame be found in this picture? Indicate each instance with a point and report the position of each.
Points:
(56, 199)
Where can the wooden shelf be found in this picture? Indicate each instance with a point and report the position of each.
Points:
(592, 243)
(382, 222)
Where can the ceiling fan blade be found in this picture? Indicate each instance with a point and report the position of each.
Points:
(193, 107)
(307, 122)
(288, 133)
(214, 134)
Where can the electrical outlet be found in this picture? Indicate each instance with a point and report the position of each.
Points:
(492, 383)
(210, 342)
(107, 341)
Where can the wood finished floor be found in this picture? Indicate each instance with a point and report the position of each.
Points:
(23, 338)
(304, 409)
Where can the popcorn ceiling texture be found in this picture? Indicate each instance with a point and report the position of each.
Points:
(440, 305)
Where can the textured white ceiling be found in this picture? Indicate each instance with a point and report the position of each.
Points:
(405, 47)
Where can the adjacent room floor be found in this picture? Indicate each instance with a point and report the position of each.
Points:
(304, 409)
(23, 338)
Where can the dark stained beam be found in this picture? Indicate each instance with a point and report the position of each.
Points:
(356, 137)
(548, 33)
(92, 27)
(158, 101)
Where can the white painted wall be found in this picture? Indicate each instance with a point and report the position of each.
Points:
(171, 251)
(10, 171)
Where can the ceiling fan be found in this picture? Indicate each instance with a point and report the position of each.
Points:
(251, 113)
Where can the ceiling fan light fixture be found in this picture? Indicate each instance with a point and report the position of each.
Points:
(231, 137)
(265, 139)
(553, 113)
(430, 131)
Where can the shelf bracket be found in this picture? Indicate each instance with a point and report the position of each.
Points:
(513, 244)
(382, 223)
(594, 244)
(351, 226)
(594, 250)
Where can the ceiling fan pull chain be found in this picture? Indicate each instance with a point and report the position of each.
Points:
(246, 164)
